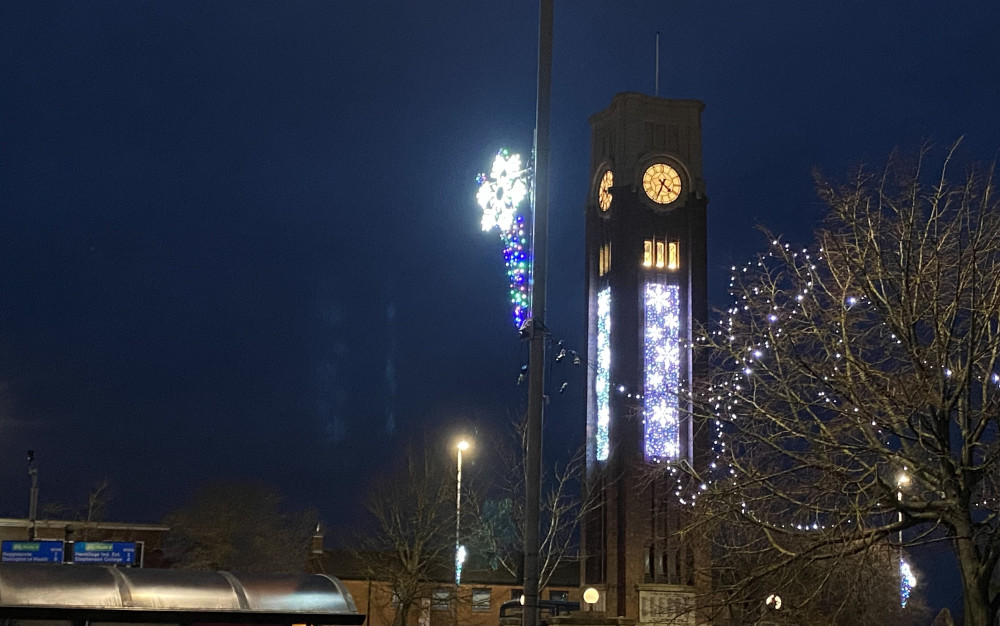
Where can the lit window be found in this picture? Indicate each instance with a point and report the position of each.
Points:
(440, 600)
(604, 260)
(480, 600)
(661, 254)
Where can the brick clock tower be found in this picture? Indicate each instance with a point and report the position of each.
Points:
(646, 291)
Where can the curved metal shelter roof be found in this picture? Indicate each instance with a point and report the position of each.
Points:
(112, 594)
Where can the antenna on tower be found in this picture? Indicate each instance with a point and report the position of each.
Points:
(656, 80)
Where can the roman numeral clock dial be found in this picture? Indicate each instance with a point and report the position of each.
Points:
(662, 183)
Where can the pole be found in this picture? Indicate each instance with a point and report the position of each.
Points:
(901, 480)
(536, 372)
(656, 80)
(33, 499)
(458, 519)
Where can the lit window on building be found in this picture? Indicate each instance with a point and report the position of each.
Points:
(441, 600)
(480, 600)
(661, 254)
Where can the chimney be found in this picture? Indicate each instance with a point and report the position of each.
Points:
(317, 541)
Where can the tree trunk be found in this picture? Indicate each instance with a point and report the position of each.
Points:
(975, 583)
(402, 611)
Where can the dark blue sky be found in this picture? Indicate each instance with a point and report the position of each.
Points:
(239, 239)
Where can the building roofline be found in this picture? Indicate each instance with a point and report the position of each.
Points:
(16, 522)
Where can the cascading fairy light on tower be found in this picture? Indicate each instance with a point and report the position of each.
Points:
(500, 195)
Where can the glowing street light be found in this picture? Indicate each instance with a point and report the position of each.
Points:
(907, 581)
(459, 548)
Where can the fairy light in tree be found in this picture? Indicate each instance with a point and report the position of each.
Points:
(500, 195)
(603, 382)
(785, 310)
(662, 371)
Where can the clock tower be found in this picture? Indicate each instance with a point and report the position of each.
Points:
(646, 292)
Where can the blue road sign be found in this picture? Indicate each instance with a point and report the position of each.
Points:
(119, 552)
(32, 552)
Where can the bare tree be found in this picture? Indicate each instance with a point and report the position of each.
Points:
(239, 526)
(752, 585)
(856, 383)
(410, 544)
(97, 503)
(94, 512)
(498, 530)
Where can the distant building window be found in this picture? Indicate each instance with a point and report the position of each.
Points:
(441, 600)
(559, 596)
(480, 600)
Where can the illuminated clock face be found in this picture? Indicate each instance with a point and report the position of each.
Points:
(662, 183)
(604, 191)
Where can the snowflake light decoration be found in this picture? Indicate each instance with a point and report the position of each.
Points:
(662, 371)
(500, 195)
(602, 381)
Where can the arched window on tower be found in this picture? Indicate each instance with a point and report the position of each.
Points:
(661, 254)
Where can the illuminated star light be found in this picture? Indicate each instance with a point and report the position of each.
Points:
(662, 371)
(500, 194)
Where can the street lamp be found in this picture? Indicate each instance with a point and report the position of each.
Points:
(459, 548)
(906, 578)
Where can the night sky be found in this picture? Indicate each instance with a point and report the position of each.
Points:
(240, 240)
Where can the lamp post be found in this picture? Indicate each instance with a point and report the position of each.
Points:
(536, 344)
(906, 578)
(459, 551)
(901, 481)
(33, 500)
